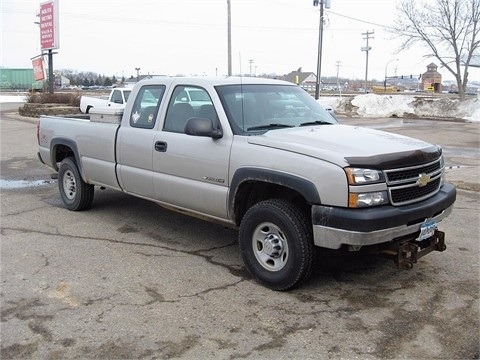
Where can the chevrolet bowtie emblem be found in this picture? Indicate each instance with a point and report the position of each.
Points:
(423, 180)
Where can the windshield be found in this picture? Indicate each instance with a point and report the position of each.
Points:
(255, 109)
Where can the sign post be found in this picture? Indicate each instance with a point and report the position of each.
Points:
(49, 34)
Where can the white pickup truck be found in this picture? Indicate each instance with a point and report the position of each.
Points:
(263, 156)
(117, 99)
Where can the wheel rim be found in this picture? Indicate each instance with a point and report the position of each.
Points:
(270, 246)
(69, 185)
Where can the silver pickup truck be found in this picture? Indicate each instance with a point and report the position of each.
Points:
(261, 155)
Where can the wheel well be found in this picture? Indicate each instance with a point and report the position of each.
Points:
(61, 152)
(252, 192)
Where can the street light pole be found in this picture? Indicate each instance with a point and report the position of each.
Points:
(385, 81)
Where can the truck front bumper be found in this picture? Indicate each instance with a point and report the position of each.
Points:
(334, 226)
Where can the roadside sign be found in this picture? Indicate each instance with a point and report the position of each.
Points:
(38, 70)
(49, 36)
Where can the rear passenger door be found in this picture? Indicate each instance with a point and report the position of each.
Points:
(135, 142)
(191, 171)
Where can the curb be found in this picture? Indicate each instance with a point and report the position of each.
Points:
(17, 116)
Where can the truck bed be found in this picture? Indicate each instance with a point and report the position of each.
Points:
(94, 140)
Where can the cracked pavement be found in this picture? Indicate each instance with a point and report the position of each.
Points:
(129, 279)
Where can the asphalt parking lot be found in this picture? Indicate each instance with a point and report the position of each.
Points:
(129, 279)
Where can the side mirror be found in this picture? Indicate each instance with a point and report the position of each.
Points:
(202, 127)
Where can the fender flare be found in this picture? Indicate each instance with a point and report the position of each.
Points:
(303, 186)
(72, 145)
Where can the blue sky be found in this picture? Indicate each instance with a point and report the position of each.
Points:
(174, 37)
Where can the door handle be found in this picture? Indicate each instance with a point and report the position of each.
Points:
(161, 146)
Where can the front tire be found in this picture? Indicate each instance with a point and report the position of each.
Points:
(276, 243)
(76, 194)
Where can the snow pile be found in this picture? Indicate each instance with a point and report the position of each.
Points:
(20, 98)
(369, 105)
(402, 105)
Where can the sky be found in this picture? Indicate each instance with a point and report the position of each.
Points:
(174, 37)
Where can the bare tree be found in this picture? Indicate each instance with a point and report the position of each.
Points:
(450, 29)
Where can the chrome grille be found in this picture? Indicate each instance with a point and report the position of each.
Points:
(416, 183)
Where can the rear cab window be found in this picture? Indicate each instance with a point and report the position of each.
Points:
(145, 108)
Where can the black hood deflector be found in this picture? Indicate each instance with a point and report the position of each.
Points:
(397, 160)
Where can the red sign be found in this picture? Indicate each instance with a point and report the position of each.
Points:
(49, 38)
(38, 71)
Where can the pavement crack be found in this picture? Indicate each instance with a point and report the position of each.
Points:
(235, 270)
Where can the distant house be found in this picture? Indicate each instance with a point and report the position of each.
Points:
(306, 80)
(62, 81)
(432, 79)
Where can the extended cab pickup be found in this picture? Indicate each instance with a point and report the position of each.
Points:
(116, 99)
(261, 155)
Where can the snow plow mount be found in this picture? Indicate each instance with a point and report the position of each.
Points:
(406, 253)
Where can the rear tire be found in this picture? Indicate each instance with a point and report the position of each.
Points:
(76, 194)
(276, 243)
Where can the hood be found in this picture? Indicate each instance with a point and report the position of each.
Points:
(350, 146)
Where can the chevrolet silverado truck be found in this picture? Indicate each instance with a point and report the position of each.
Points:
(116, 99)
(262, 156)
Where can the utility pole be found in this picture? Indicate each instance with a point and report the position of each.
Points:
(338, 69)
(229, 38)
(367, 49)
(320, 43)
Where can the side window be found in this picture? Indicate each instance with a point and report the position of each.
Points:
(117, 97)
(187, 102)
(145, 108)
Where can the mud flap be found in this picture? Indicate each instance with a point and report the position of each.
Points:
(406, 253)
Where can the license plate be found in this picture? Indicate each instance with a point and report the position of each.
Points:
(427, 230)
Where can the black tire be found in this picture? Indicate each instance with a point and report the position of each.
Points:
(276, 243)
(76, 194)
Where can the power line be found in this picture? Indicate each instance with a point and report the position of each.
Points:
(360, 20)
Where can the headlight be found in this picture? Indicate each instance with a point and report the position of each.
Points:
(356, 200)
(358, 176)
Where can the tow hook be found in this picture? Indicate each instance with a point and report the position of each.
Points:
(406, 253)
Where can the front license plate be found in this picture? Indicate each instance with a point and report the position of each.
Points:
(427, 230)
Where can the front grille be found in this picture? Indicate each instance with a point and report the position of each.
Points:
(406, 195)
(416, 183)
(412, 173)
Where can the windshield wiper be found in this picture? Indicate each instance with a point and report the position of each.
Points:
(269, 126)
(316, 122)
